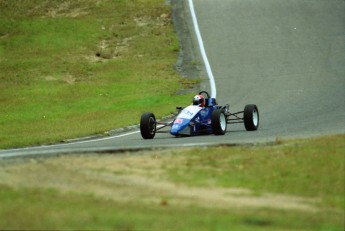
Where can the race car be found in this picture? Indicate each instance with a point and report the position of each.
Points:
(203, 117)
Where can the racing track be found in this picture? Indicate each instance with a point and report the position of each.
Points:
(288, 57)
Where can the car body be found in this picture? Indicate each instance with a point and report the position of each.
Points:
(201, 120)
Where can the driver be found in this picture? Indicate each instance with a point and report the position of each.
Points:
(199, 100)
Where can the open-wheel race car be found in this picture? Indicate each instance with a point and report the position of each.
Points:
(203, 117)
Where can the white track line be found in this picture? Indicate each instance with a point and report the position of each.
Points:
(202, 50)
(72, 143)
(77, 142)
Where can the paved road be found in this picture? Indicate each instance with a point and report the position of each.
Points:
(288, 57)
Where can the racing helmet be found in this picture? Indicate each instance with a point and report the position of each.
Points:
(199, 100)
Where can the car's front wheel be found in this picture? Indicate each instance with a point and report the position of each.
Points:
(148, 125)
(218, 121)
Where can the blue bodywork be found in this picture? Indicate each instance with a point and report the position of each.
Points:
(194, 120)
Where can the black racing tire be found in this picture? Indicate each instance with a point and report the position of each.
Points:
(251, 117)
(148, 125)
(218, 121)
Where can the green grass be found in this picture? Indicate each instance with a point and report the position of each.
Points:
(48, 209)
(76, 68)
(312, 170)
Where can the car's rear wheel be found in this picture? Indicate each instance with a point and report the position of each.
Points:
(218, 121)
(148, 125)
(251, 117)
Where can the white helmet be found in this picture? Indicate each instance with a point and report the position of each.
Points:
(199, 100)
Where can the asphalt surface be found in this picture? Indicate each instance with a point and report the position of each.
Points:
(287, 57)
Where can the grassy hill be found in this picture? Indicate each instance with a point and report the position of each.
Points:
(77, 68)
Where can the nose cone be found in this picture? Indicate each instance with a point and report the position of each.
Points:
(180, 127)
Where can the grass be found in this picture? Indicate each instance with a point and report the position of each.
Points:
(181, 189)
(50, 210)
(310, 169)
(77, 68)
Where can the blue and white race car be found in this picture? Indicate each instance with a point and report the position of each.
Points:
(204, 117)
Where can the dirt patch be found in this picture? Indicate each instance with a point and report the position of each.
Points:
(69, 79)
(161, 21)
(66, 8)
(124, 179)
(110, 49)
